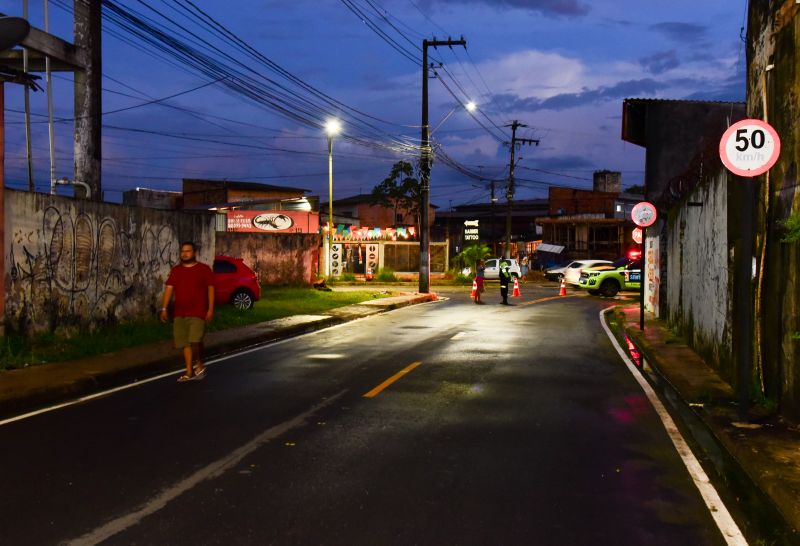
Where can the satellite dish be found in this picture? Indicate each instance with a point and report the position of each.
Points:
(12, 31)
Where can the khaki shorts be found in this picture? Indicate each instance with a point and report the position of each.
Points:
(188, 330)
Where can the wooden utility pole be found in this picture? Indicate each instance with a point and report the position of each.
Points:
(425, 169)
(510, 191)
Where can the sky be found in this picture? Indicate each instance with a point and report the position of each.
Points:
(273, 72)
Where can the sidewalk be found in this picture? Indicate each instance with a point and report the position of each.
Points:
(30, 388)
(764, 451)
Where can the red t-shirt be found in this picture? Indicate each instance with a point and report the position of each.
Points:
(190, 286)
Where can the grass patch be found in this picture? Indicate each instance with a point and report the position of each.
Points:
(276, 302)
(386, 275)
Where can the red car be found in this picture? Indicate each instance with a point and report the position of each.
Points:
(235, 283)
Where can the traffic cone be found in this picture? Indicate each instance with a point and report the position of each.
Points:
(474, 288)
(563, 290)
(369, 273)
(516, 293)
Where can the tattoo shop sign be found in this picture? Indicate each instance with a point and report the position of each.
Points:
(471, 231)
(273, 221)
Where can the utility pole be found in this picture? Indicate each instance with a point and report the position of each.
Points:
(491, 207)
(425, 169)
(510, 193)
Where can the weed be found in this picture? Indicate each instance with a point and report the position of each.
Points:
(791, 227)
(386, 275)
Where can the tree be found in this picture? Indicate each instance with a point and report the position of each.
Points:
(637, 189)
(401, 189)
(471, 254)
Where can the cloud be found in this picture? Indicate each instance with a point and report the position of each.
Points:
(681, 32)
(564, 101)
(658, 63)
(573, 8)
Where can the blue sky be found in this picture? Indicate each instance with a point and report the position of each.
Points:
(560, 66)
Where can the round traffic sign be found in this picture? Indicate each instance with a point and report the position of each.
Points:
(644, 214)
(637, 235)
(749, 147)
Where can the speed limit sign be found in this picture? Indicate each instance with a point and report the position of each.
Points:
(750, 147)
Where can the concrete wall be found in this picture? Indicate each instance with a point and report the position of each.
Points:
(772, 95)
(280, 258)
(80, 264)
(698, 283)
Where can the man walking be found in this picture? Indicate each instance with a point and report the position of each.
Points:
(505, 279)
(191, 282)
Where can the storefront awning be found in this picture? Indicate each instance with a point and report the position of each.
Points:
(544, 247)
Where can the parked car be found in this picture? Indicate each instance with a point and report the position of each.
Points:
(492, 266)
(608, 280)
(571, 272)
(235, 283)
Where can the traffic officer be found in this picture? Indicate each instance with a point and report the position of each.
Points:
(505, 279)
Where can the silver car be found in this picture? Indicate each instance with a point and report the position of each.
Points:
(571, 272)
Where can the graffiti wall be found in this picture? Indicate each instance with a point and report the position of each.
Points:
(73, 263)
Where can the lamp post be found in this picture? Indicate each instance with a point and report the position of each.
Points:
(332, 128)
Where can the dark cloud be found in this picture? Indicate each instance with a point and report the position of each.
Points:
(587, 96)
(545, 7)
(681, 32)
(659, 63)
(731, 89)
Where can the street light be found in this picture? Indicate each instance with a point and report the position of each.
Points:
(469, 107)
(332, 128)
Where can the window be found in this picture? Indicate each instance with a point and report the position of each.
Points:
(223, 266)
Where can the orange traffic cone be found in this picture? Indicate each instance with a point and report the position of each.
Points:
(369, 273)
(474, 288)
(563, 290)
(516, 293)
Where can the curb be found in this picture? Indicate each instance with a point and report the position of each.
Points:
(723, 456)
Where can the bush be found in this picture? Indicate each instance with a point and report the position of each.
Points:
(347, 277)
(386, 275)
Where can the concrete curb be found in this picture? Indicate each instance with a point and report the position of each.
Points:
(30, 388)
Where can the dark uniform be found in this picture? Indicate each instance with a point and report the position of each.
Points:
(505, 279)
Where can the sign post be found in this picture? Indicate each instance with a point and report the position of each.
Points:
(748, 148)
(644, 214)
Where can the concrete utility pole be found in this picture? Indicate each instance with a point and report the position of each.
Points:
(425, 169)
(510, 193)
(88, 82)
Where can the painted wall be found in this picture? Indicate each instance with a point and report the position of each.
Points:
(74, 263)
(773, 80)
(698, 283)
(279, 258)
(652, 270)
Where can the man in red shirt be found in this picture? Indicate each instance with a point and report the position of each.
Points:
(191, 282)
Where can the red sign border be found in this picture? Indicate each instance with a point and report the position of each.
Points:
(755, 172)
(642, 204)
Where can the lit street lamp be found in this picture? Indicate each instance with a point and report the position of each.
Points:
(469, 107)
(332, 128)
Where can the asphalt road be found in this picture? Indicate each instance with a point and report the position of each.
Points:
(509, 425)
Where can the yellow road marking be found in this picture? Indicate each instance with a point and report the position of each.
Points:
(377, 390)
(548, 299)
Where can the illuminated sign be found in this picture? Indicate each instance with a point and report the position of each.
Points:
(471, 231)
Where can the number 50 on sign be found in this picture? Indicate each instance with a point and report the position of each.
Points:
(750, 147)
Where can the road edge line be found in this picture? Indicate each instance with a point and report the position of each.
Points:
(719, 512)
